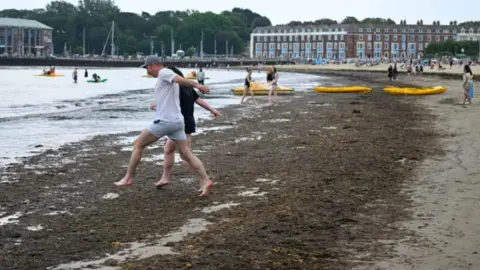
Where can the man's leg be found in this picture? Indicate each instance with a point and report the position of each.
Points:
(169, 161)
(144, 139)
(197, 165)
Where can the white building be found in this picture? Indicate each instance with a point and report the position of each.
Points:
(470, 34)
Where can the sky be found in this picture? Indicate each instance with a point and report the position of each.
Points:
(281, 12)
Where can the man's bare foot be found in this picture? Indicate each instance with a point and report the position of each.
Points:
(162, 183)
(124, 182)
(206, 188)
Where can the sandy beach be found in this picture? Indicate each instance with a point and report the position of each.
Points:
(319, 181)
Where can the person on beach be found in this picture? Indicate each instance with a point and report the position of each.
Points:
(200, 76)
(188, 98)
(75, 75)
(467, 85)
(272, 80)
(86, 73)
(168, 122)
(247, 88)
(395, 71)
(390, 72)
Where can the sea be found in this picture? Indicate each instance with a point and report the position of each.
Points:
(40, 113)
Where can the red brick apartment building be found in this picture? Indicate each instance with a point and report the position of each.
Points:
(341, 41)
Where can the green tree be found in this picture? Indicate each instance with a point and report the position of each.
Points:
(350, 20)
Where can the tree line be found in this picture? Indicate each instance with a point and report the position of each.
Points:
(134, 31)
(453, 48)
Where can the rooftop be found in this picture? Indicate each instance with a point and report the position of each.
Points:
(24, 23)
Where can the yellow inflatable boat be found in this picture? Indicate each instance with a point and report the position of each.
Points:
(345, 89)
(50, 75)
(415, 91)
(263, 89)
(193, 76)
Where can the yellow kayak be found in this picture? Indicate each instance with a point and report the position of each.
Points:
(263, 89)
(415, 91)
(345, 89)
(50, 75)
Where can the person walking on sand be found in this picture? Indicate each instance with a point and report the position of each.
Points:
(200, 76)
(272, 80)
(247, 88)
(390, 72)
(188, 98)
(467, 85)
(168, 122)
(75, 75)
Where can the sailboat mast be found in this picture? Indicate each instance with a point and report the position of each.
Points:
(84, 42)
(113, 36)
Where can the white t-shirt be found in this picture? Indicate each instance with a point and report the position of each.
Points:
(167, 97)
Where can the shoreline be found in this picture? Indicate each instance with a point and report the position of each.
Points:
(337, 167)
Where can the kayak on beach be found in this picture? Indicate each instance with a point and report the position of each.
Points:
(345, 89)
(260, 89)
(101, 81)
(415, 91)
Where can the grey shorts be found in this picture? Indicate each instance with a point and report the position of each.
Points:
(174, 130)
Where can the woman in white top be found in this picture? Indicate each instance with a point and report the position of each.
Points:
(467, 84)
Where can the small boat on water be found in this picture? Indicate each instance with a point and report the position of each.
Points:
(101, 81)
(260, 89)
(193, 76)
(50, 75)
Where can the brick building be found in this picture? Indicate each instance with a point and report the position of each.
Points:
(25, 37)
(341, 41)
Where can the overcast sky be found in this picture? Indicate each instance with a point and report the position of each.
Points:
(280, 12)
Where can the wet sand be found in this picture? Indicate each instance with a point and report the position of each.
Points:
(316, 182)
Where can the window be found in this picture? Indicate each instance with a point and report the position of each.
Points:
(295, 46)
(335, 37)
(360, 45)
(290, 38)
(385, 46)
(377, 30)
(258, 46)
(404, 30)
(445, 31)
(378, 45)
(412, 30)
(329, 37)
(369, 37)
(411, 46)
(395, 30)
(395, 38)
(395, 46)
(342, 37)
(284, 38)
(420, 46)
(329, 45)
(437, 30)
(404, 38)
(271, 46)
(264, 39)
(290, 46)
(360, 29)
(438, 38)
(429, 38)
(272, 38)
(320, 46)
(296, 38)
(420, 38)
(278, 46)
(369, 46)
(454, 31)
(313, 45)
(470, 31)
(412, 38)
(378, 37)
(314, 38)
(265, 47)
(308, 38)
(329, 55)
(420, 30)
(335, 45)
(303, 45)
(386, 30)
(429, 30)
(258, 39)
(369, 30)
(302, 38)
(341, 55)
(360, 37)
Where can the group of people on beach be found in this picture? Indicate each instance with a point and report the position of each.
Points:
(272, 82)
(174, 106)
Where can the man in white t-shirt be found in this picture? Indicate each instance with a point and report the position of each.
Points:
(168, 122)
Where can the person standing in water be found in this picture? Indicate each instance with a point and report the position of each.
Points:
(200, 77)
(247, 88)
(467, 85)
(168, 122)
(75, 75)
(272, 80)
(188, 98)
(86, 73)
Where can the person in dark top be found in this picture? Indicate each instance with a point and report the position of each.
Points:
(390, 72)
(95, 77)
(247, 88)
(395, 71)
(188, 98)
(86, 73)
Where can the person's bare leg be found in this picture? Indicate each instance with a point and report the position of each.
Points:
(143, 140)
(244, 95)
(187, 155)
(251, 97)
(270, 92)
(168, 162)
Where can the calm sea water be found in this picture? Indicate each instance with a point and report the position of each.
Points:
(51, 111)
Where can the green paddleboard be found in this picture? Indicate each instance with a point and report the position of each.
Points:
(93, 81)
